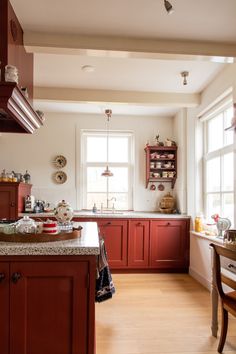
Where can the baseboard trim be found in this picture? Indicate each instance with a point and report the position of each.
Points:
(205, 282)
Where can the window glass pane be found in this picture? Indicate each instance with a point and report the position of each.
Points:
(96, 182)
(213, 175)
(228, 172)
(96, 149)
(213, 204)
(118, 149)
(119, 182)
(121, 201)
(215, 133)
(229, 134)
(96, 198)
(228, 206)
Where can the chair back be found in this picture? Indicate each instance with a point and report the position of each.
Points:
(219, 276)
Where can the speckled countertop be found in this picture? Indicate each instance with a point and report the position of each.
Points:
(117, 215)
(87, 244)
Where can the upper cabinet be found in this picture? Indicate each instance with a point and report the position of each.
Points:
(16, 111)
(161, 164)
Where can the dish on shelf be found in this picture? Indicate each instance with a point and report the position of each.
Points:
(60, 161)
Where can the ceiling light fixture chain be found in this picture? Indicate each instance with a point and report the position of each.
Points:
(169, 8)
(184, 74)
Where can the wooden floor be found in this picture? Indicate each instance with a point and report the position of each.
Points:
(158, 313)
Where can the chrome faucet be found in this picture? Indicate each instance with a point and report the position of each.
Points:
(109, 200)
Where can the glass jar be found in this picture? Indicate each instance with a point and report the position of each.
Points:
(198, 226)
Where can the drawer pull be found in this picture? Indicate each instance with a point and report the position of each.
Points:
(2, 277)
(15, 277)
(139, 223)
(108, 223)
(13, 204)
(168, 224)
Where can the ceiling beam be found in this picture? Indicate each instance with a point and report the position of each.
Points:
(111, 96)
(38, 42)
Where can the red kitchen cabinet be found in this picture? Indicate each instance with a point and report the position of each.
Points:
(115, 234)
(169, 244)
(12, 197)
(48, 304)
(4, 307)
(138, 244)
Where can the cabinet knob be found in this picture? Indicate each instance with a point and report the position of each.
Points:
(2, 277)
(13, 204)
(168, 224)
(139, 223)
(15, 277)
(108, 223)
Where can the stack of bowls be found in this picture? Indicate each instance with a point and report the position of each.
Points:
(11, 73)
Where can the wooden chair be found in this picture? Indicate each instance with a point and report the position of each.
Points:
(228, 300)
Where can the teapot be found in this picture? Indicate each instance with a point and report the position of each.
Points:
(63, 212)
(26, 225)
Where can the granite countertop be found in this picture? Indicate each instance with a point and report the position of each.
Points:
(116, 214)
(87, 244)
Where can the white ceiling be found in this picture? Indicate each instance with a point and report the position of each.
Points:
(193, 21)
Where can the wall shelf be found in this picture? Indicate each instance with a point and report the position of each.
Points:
(157, 160)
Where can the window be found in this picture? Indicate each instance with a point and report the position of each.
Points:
(98, 189)
(219, 193)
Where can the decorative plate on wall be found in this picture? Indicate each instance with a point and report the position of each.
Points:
(60, 161)
(60, 177)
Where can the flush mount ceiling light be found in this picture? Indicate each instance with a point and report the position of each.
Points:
(88, 68)
(107, 172)
(168, 7)
(185, 74)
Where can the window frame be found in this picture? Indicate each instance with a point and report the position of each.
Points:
(84, 164)
(220, 153)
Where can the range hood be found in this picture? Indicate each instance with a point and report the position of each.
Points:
(16, 112)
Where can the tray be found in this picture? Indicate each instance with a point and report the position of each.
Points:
(39, 238)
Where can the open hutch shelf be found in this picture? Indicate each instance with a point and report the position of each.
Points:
(161, 164)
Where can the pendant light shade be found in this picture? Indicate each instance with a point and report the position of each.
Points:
(107, 172)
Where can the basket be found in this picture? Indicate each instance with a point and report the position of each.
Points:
(166, 210)
(167, 204)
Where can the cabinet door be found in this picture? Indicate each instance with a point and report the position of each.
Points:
(8, 208)
(115, 235)
(48, 307)
(169, 245)
(138, 244)
(4, 307)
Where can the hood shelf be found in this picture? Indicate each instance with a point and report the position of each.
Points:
(16, 113)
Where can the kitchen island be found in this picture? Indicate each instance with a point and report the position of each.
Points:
(47, 295)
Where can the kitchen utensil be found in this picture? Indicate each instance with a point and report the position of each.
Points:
(161, 187)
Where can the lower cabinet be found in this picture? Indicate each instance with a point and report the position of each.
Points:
(115, 234)
(138, 244)
(47, 306)
(169, 244)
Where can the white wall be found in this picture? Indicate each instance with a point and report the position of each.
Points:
(61, 135)
(179, 133)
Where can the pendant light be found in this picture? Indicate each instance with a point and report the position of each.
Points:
(107, 172)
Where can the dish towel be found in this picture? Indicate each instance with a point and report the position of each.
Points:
(104, 284)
